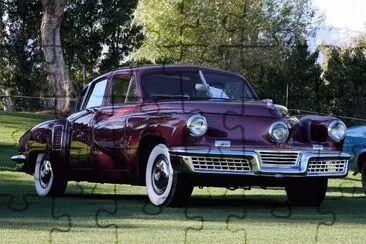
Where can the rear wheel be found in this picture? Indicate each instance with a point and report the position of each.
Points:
(363, 177)
(165, 186)
(49, 179)
(306, 191)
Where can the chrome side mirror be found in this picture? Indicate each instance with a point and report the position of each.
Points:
(268, 102)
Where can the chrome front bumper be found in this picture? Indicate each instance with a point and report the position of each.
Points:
(20, 161)
(261, 162)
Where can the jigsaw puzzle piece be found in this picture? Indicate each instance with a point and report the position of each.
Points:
(209, 215)
(131, 216)
(26, 211)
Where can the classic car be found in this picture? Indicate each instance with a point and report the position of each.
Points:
(174, 127)
(355, 145)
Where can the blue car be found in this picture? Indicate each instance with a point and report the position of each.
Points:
(355, 144)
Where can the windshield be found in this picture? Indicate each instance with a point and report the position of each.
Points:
(228, 86)
(194, 85)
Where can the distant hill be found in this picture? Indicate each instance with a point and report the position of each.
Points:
(332, 36)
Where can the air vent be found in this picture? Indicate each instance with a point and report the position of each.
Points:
(327, 166)
(318, 133)
(57, 137)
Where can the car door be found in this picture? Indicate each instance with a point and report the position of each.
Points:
(109, 125)
(82, 147)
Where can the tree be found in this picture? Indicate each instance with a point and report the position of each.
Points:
(21, 71)
(97, 35)
(87, 28)
(118, 34)
(346, 74)
(51, 45)
(302, 74)
(240, 35)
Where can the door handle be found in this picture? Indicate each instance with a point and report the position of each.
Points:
(99, 111)
(89, 110)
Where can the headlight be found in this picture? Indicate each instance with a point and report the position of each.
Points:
(197, 125)
(337, 130)
(278, 132)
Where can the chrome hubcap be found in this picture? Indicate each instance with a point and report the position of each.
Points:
(45, 173)
(160, 174)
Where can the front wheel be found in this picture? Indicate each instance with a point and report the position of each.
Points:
(306, 191)
(49, 179)
(164, 186)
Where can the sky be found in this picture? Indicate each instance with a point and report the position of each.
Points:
(349, 14)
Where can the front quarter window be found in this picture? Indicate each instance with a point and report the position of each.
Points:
(80, 99)
(97, 95)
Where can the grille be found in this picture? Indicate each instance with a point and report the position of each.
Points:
(326, 166)
(279, 158)
(219, 164)
(57, 137)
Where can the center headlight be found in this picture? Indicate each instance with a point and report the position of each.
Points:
(337, 130)
(197, 125)
(278, 132)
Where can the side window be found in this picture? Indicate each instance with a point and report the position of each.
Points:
(123, 90)
(97, 95)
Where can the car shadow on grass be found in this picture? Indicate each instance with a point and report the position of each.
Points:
(259, 205)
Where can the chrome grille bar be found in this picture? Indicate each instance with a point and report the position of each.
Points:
(279, 157)
(218, 164)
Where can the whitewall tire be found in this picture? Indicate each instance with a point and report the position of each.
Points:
(163, 185)
(363, 177)
(49, 181)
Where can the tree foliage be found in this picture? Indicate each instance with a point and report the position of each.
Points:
(346, 75)
(239, 35)
(302, 75)
(95, 34)
(90, 28)
(21, 54)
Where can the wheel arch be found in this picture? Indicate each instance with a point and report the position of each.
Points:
(42, 139)
(32, 160)
(361, 160)
(147, 143)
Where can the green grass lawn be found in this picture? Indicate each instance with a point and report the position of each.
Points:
(106, 213)
(12, 127)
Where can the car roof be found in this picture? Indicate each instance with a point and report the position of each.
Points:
(146, 68)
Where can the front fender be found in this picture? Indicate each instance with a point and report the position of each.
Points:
(41, 138)
(313, 130)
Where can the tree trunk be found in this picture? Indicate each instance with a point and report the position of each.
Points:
(7, 104)
(52, 50)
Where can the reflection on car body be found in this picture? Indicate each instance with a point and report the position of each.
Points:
(174, 127)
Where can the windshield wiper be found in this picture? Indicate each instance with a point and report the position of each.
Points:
(220, 98)
(170, 96)
(245, 99)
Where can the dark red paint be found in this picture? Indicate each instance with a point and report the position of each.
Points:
(105, 144)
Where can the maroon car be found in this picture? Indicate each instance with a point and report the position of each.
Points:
(171, 128)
